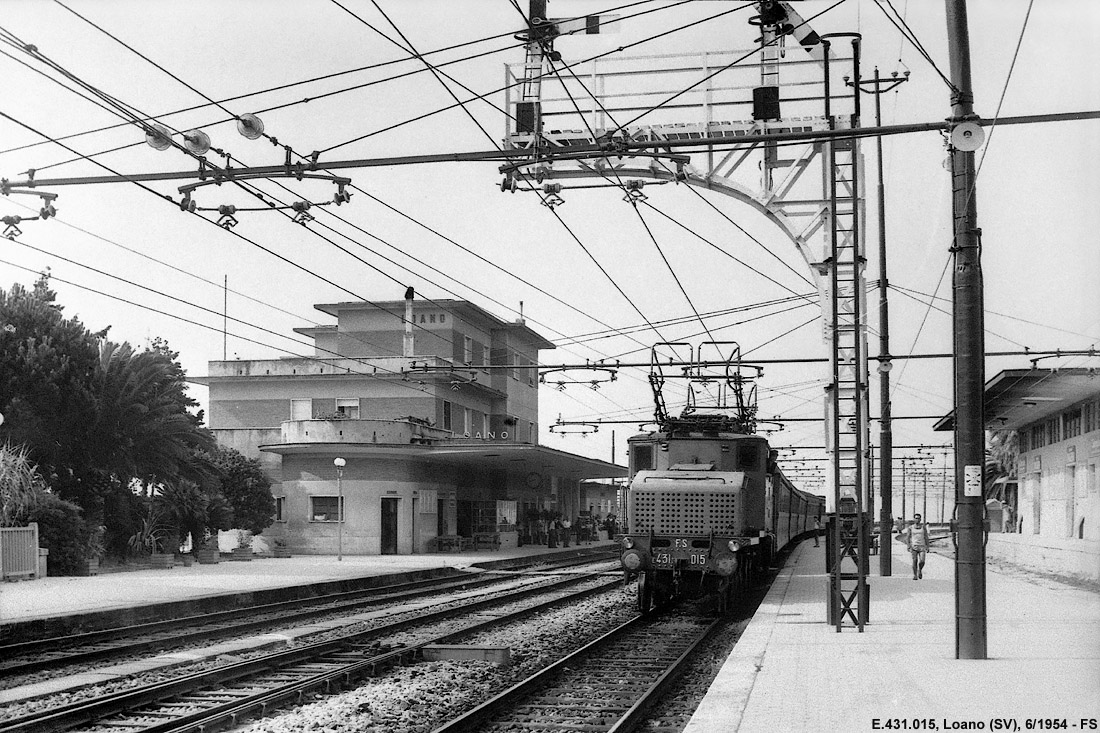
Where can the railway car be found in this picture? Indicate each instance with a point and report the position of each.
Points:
(707, 505)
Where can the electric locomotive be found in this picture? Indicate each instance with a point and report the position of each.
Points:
(707, 506)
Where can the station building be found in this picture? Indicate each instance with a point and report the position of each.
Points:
(1050, 511)
(420, 418)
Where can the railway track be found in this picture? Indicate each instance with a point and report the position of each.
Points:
(206, 700)
(40, 655)
(607, 685)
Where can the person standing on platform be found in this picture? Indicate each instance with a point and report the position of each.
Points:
(917, 540)
(566, 530)
(817, 531)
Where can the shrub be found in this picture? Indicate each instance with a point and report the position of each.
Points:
(63, 531)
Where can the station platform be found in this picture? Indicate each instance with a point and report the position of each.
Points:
(52, 604)
(791, 671)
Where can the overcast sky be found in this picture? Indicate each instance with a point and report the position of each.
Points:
(1037, 192)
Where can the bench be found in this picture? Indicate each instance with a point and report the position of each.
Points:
(446, 543)
(486, 540)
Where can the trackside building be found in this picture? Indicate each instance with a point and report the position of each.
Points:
(419, 418)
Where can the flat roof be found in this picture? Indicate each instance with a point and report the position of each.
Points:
(397, 307)
(1018, 397)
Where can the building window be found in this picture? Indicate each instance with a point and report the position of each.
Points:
(531, 433)
(323, 508)
(467, 349)
(301, 409)
(348, 407)
(467, 420)
(280, 508)
(1073, 423)
(1038, 436)
(1089, 415)
(1054, 430)
(515, 366)
(484, 425)
(485, 356)
(447, 423)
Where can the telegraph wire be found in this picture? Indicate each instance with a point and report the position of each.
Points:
(556, 215)
(345, 72)
(510, 86)
(908, 34)
(196, 91)
(681, 320)
(1000, 102)
(231, 231)
(437, 75)
(999, 314)
(192, 322)
(124, 110)
(285, 188)
(170, 266)
(730, 65)
(930, 302)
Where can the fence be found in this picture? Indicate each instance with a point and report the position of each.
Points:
(19, 552)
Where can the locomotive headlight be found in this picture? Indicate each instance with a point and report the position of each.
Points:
(628, 542)
(734, 545)
(632, 560)
(726, 565)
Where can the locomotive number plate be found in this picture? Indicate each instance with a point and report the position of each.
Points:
(667, 558)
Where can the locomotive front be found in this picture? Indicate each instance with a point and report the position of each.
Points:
(696, 513)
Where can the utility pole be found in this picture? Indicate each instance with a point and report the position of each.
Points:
(969, 337)
(879, 86)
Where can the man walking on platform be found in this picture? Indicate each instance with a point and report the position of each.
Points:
(817, 531)
(917, 540)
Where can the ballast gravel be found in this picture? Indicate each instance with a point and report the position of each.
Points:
(423, 696)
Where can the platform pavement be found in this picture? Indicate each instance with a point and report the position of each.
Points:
(790, 671)
(52, 597)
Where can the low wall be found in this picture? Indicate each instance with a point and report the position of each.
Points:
(1070, 557)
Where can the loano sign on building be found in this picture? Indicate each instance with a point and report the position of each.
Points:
(488, 435)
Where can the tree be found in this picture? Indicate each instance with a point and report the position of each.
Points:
(245, 487)
(46, 364)
(184, 506)
(141, 427)
(94, 415)
(20, 486)
(1002, 450)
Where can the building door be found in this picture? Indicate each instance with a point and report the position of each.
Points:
(415, 526)
(389, 525)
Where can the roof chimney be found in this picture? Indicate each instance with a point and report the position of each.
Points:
(409, 345)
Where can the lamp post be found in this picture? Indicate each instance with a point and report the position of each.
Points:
(339, 463)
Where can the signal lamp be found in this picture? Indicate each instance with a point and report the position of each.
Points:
(734, 545)
(628, 542)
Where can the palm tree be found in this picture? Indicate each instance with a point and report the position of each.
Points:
(142, 429)
(1001, 453)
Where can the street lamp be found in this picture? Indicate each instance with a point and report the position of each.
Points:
(339, 463)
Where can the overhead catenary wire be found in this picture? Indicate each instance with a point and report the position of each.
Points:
(448, 108)
(284, 186)
(461, 104)
(217, 329)
(908, 34)
(128, 112)
(324, 77)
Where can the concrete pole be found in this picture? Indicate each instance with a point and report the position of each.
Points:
(969, 325)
